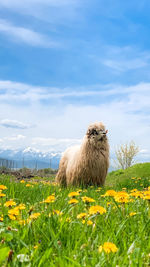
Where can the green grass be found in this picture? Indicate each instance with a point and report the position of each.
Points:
(63, 240)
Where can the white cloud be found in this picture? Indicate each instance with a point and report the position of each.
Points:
(14, 124)
(15, 138)
(125, 113)
(127, 58)
(53, 11)
(24, 35)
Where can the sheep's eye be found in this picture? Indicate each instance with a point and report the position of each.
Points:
(94, 132)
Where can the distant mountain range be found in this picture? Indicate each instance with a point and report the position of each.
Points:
(32, 158)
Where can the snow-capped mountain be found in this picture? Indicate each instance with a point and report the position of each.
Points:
(31, 158)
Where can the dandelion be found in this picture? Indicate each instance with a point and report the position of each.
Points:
(2, 187)
(110, 193)
(81, 215)
(49, 199)
(21, 206)
(2, 195)
(10, 203)
(29, 185)
(34, 215)
(108, 247)
(73, 201)
(96, 209)
(89, 222)
(68, 220)
(73, 194)
(122, 197)
(1, 218)
(87, 199)
(136, 194)
(22, 181)
(13, 213)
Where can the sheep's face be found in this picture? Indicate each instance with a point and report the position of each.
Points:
(97, 132)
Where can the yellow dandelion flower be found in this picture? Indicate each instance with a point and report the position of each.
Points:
(132, 213)
(36, 246)
(109, 247)
(81, 215)
(12, 217)
(14, 211)
(3, 187)
(21, 206)
(89, 222)
(87, 199)
(73, 201)
(83, 221)
(49, 199)
(134, 190)
(110, 193)
(10, 203)
(122, 197)
(1, 218)
(28, 185)
(34, 215)
(73, 194)
(96, 209)
(136, 194)
(22, 181)
(2, 195)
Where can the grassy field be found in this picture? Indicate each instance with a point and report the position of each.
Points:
(42, 224)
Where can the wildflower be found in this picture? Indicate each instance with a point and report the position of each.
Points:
(36, 246)
(28, 185)
(10, 203)
(121, 197)
(96, 209)
(73, 201)
(12, 217)
(49, 199)
(68, 220)
(21, 206)
(110, 193)
(81, 215)
(108, 247)
(2, 187)
(22, 181)
(73, 194)
(1, 218)
(136, 194)
(132, 213)
(34, 215)
(2, 195)
(89, 222)
(14, 211)
(87, 199)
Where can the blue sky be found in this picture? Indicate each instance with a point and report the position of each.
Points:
(67, 63)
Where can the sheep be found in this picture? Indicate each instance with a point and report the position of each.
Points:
(88, 163)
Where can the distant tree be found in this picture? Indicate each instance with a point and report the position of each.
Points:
(125, 154)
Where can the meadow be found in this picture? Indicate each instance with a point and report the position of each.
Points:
(43, 224)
